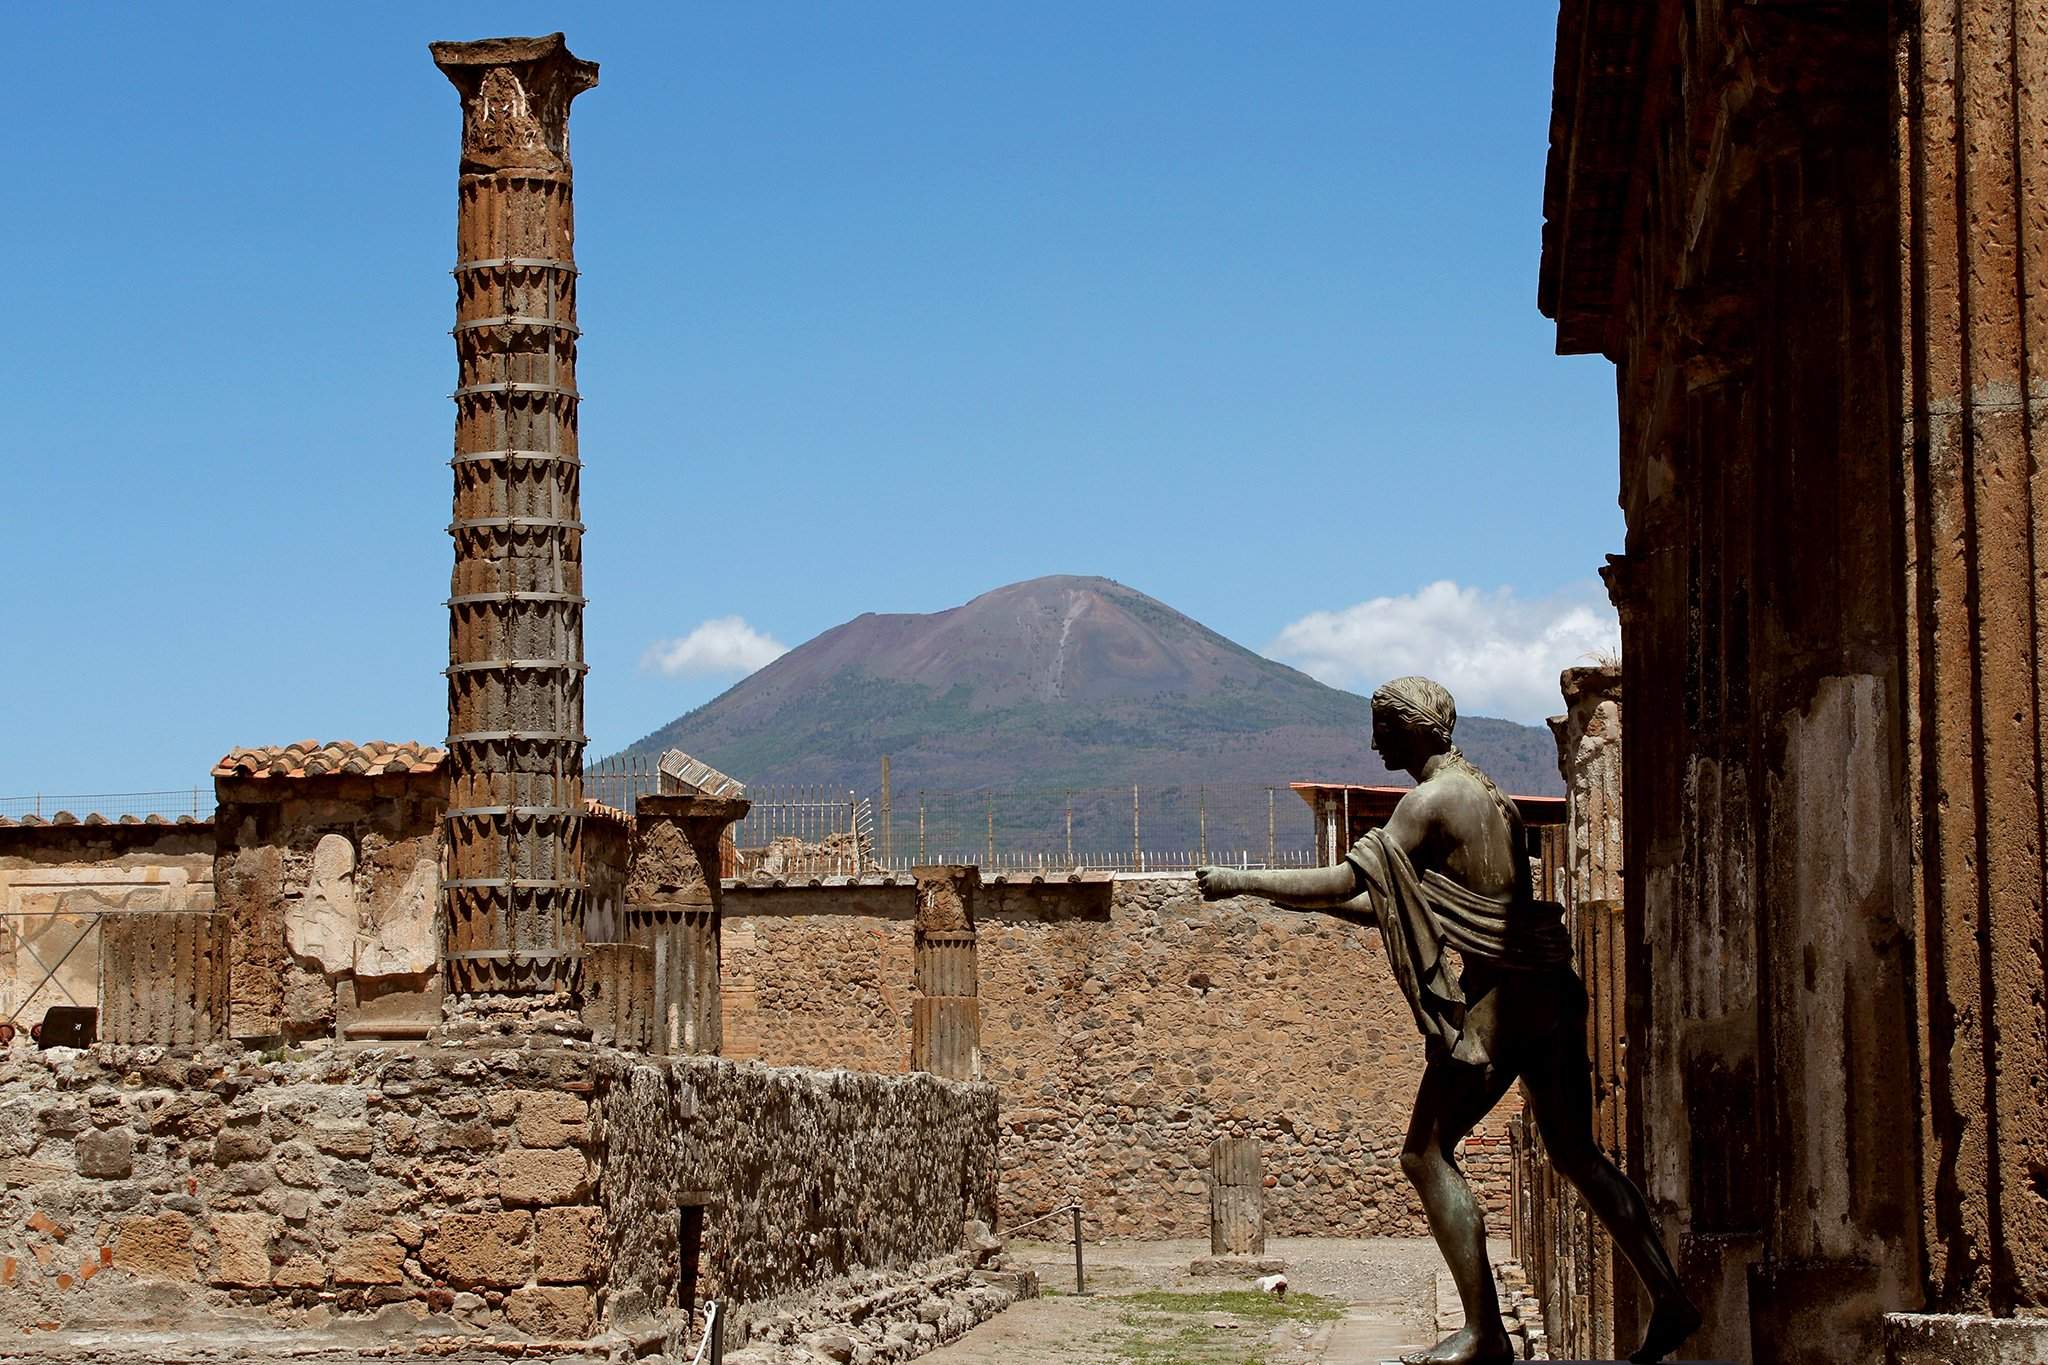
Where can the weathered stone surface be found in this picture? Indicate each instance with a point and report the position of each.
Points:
(158, 1248)
(241, 1249)
(547, 1176)
(249, 1143)
(551, 1119)
(320, 925)
(107, 1155)
(551, 1312)
(302, 1271)
(566, 1242)
(344, 1139)
(298, 1164)
(475, 1250)
(1126, 1031)
(374, 1259)
(397, 936)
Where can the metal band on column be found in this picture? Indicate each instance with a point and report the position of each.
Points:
(512, 898)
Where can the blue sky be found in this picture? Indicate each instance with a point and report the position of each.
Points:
(884, 305)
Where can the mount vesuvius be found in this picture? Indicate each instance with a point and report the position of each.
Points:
(1055, 682)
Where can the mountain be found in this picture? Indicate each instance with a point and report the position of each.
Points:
(1052, 684)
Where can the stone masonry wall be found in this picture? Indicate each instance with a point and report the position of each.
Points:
(1123, 1037)
(57, 880)
(517, 1192)
(329, 884)
(812, 1175)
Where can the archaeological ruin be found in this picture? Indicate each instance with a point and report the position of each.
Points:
(1805, 236)
(415, 1043)
(411, 1044)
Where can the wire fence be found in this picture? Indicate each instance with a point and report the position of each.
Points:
(821, 830)
(196, 802)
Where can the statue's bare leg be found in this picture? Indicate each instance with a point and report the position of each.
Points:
(1453, 1098)
(1560, 1090)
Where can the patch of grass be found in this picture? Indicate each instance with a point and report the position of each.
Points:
(1159, 1332)
(1244, 1303)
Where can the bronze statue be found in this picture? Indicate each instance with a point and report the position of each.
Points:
(1450, 870)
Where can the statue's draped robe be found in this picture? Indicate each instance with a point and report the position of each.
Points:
(1419, 916)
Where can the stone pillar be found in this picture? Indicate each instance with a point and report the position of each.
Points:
(1973, 359)
(673, 905)
(1237, 1198)
(512, 899)
(945, 1021)
(1588, 739)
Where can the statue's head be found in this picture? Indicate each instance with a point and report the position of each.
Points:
(1412, 719)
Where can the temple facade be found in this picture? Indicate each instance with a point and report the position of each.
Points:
(1804, 235)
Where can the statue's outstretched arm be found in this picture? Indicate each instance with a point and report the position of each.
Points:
(1308, 888)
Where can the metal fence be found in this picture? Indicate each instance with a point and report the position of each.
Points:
(196, 802)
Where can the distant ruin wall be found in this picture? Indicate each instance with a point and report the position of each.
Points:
(524, 1191)
(59, 882)
(1123, 1036)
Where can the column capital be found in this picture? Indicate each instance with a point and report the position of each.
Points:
(515, 100)
(945, 895)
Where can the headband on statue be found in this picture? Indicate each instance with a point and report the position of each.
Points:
(1423, 704)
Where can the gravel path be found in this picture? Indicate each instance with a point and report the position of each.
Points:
(1387, 1287)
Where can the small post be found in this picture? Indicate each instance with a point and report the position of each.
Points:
(853, 824)
(990, 800)
(1202, 820)
(1070, 828)
(1269, 827)
(1136, 855)
(920, 827)
(888, 842)
(1080, 1281)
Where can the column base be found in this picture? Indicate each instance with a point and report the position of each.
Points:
(1963, 1339)
(515, 1019)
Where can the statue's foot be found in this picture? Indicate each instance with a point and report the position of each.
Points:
(1671, 1322)
(1467, 1347)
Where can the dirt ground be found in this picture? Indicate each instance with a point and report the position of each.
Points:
(1354, 1302)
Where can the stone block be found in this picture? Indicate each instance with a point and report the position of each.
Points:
(108, 1155)
(551, 1119)
(549, 1176)
(301, 1272)
(158, 1248)
(297, 1164)
(240, 1144)
(342, 1139)
(480, 1249)
(551, 1312)
(565, 1243)
(241, 1249)
(374, 1259)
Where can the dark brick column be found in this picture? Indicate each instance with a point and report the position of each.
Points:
(512, 897)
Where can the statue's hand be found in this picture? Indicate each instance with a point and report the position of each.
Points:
(1216, 883)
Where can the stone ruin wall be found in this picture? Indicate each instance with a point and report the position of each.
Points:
(522, 1192)
(56, 879)
(328, 886)
(1122, 1038)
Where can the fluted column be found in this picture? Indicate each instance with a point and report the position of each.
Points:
(1973, 182)
(945, 1021)
(512, 897)
(674, 901)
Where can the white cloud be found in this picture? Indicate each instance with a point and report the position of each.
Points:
(725, 644)
(1498, 652)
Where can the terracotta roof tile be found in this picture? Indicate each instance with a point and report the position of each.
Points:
(598, 810)
(311, 758)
